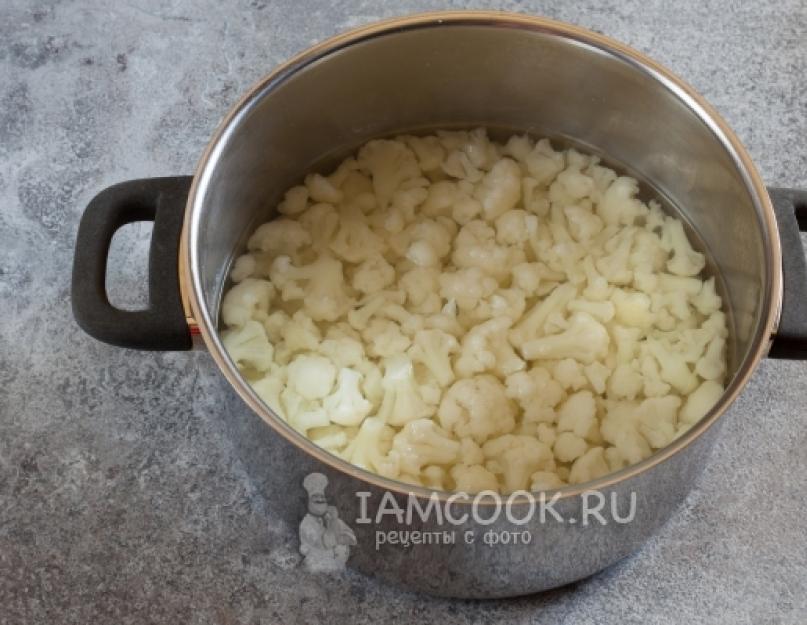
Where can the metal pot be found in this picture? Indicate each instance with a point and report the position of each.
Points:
(502, 71)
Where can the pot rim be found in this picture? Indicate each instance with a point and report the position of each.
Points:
(201, 320)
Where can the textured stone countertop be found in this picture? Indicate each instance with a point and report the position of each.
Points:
(120, 499)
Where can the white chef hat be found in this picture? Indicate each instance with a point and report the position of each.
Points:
(315, 483)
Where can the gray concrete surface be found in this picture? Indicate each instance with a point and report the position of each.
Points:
(120, 499)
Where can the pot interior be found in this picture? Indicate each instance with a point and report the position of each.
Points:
(507, 75)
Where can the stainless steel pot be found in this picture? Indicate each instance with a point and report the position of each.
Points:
(503, 71)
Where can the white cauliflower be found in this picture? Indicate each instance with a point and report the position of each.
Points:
(518, 457)
(294, 202)
(433, 348)
(500, 189)
(373, 275)
(248, 346)
(473, 478)
(456, 313)
(477, 408)
(403, 399)
(320, 285)
(354, 240)
(390, 164)
(422, 442)
(485, 348)
(685, 261)
(346, 405)
(476, 246)
(589, 466)
(586, 340)
(311, 376)
(279, 236)
(246, 301)
(578, 414)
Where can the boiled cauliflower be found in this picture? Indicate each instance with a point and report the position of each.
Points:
(461, 314)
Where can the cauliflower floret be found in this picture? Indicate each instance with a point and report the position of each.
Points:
(322, 190)
(700, 402)
(529, 277)
(515, 227)
(343, 351)
(620, 428)
(506, 304)
(429, 151)
(674, 369)
(433, 348)
(477, 408)
(532, 323)
(244, 267)
(475, 246)
(295, 201)
(657, 419)
(597, 375)
(248, 300)
(569, 373)
(544, 163)
(470, 452)
(324, 296)
(536, 392)
(685, 261)
(248, 346)
(422, 286)
(370, 449)
(712, 366)
(707, 301)
(633, 309)
(333, 438)
(346, 405)
(422, 442)
(589, 466)
(619, 205)
(384, 338)
(586, 340)
(578, 414)
(373, 275)
(299, 334)
(615, 267)
(430, 242)
(355, 241)
(311, 376)
(279, 236)
(359, 317)
(473, 479)
(625, 382)
(403, 400)
(390, 164)
(321, 222)
(441, 197)
(570, 186)
(485, 348)
(500, 189)
(518, 457)
(302, 414)
(569, 447)
(545, 480)
(269, 389)
(583, 224)
(467, 287)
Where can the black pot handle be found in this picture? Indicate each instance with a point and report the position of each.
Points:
(791, 214)
(162, 326)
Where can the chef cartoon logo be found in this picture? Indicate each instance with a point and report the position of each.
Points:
(325, 539)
